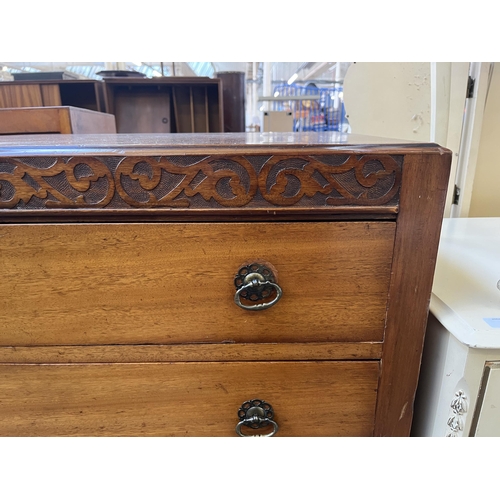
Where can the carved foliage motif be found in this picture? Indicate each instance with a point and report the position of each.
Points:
(459, 408)
(24, 181)
(211, 181)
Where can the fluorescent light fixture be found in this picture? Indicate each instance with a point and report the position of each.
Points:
(292, 78)
(137, 63)
(156, 73)
(276, 94)
(5, 68)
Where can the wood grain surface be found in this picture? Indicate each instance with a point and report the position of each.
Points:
(85, 284)
(26, 95)
(5, 97)
(298, 351)
(186, 399)
(51, 95)
(54, 119)
(425, 182)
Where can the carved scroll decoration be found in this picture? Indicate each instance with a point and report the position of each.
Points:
(309, 186)
(226, 181)
(29, 181)
(207, 188)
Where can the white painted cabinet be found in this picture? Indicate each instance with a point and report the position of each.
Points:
(459, 387)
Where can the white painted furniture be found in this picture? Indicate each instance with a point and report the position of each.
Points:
(459, 387)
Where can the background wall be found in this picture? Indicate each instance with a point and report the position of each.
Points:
(421, 102)
(389, 100)
(485, 201)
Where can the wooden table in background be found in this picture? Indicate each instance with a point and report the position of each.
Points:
(55, 120)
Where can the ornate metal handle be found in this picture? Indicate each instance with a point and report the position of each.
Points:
(256, 414)
(256, 282)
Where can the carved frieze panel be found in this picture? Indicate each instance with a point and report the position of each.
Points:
(215, 181)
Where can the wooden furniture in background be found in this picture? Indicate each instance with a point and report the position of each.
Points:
(87, 94)
(55, 120)
(233, 94)
(123, 259)
(162, 105)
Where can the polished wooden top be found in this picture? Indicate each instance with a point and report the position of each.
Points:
(124, 144)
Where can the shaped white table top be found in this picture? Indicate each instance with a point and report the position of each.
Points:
(466, 295)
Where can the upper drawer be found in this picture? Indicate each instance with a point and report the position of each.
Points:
(82, 284)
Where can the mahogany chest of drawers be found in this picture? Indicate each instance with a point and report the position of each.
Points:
(213, 284)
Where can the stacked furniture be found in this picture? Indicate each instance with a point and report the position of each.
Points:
(140, 105)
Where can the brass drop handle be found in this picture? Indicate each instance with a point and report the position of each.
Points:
(256, 414)
(256, 282)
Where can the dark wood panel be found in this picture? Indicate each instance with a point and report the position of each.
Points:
(142, 111)
(183, 109)
(81, 94)
(425, 183)
(186, 399)
(193, 101)
(200, 108)
(233, 94)
(215, 113)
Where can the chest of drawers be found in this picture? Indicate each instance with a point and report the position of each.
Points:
(215, 285)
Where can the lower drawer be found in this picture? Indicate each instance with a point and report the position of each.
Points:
(326, 398)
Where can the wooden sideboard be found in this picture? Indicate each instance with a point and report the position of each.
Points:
(204, 284)
(87, 94)
(165, 104)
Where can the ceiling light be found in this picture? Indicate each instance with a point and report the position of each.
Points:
(156, 73)
(276, 94)
(292, 78)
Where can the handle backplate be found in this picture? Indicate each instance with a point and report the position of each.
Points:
(256, 282)
(256, 414)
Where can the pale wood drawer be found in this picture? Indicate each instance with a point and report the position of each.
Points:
(95, 284)
(186, 399)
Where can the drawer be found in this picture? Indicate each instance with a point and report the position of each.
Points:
(96, 284)
(186, 399)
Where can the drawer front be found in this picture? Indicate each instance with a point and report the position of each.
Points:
(186, 399)
(94, 284)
